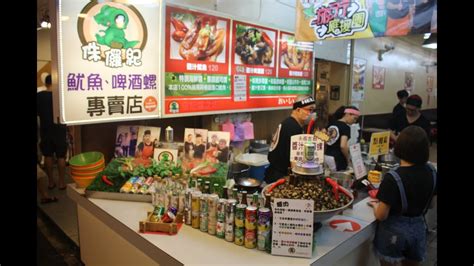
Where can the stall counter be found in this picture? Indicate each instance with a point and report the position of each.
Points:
(108, 235)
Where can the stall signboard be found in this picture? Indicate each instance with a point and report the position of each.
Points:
(297, 147)
(215, 65)
(292, 229)
(108, 61)
(379, 143)
(353, 19)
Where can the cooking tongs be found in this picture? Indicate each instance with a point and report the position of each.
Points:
(336, 188)
(277, 183)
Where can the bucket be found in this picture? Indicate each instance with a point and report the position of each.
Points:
(257, 162)
(258, 172)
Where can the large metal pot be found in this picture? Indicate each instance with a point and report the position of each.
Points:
(320, 216)
(389, 158)
(344, 179)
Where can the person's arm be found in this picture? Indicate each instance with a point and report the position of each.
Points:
(345, 147)
(393, 137)
(381, 210)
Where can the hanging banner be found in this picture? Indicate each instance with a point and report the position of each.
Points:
(208, 70)
(378, 77)
(429, 87)
(358, 80)
(353, 19)
(409, 82)
(108, 61)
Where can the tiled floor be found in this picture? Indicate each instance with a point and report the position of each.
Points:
(63, 216)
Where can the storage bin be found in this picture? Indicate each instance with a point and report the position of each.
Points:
(257, 162)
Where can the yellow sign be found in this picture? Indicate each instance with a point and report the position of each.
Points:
(379, 143)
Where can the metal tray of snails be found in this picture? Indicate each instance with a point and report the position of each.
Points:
(325, 204)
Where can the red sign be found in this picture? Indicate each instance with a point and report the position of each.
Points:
(196, 42)
(253, 50)
(345, 225)
(296, 58)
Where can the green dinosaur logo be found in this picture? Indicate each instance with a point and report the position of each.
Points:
(116, 21)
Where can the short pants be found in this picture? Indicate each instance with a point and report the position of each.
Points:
(401, 237)
(54, 143)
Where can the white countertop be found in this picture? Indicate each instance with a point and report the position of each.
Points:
(193, 247)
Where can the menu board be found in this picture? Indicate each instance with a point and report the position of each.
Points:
(196, 61)
(215, 65)
(357, 161)
(292, 229)
(295, 57)
(108, 61)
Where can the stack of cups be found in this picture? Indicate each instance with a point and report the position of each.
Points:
(195, 209)
(239, 228)
(203, 213)
(229, 219)
(264, 228)
(251, 227)
(212, 213)
(220, 226)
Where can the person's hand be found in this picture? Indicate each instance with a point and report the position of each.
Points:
(373, 203)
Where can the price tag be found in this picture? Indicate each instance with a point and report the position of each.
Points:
(240, 88)
(292, 231)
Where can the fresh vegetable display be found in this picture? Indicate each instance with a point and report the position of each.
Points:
(119, 170)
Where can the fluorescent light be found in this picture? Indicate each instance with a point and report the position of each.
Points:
(431, 42)
(431, 46)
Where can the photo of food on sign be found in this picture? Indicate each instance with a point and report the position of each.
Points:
(111, 26)
(197, 37)
(254, 46)
(295, 55)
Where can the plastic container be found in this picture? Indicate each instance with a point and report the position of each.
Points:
(258, 164)
(83, 182)
(256, 147)
(87, 159)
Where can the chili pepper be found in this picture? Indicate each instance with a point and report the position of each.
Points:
(179, 25)
(267, 39)
(207, 171)
(108, 182)
(277, 183)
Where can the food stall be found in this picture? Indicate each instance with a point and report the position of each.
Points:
(211, 64)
